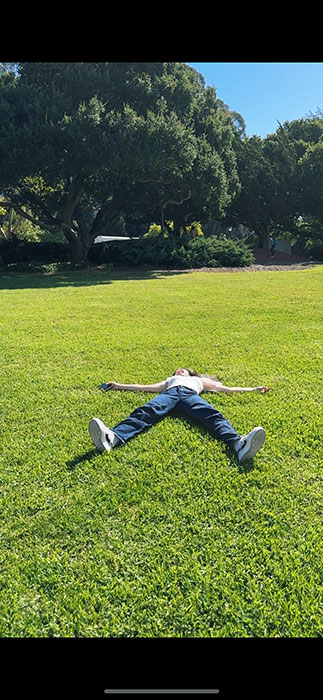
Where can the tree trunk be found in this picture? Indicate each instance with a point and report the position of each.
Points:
(262, 236)
(163, 218)
(78, 251)
(179, 223)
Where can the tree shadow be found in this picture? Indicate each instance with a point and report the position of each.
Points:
(78, 278)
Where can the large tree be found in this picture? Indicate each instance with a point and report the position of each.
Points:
(266, 170)
(307, 135)
(83, 143)
(282, 181)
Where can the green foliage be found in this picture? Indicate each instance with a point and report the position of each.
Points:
(265, 169)
(84, 146)
(281, 178)
(310, 179)
(211, 252)
(18, 228)
(166, 250)
(167, 536)
(154, 230)
(113, 137)
(194, 229)
(20, 251)
(314, 249)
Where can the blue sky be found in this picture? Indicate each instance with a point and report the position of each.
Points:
(266, 92)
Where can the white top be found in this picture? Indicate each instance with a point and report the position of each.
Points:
(194, 383)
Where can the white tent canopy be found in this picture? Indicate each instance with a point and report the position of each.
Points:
(106, 239)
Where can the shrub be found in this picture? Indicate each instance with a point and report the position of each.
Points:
(154, 230)
(314, 249)
(19, 251)
(170, 252)
(153, 251)
(212, 252)
(194, 229)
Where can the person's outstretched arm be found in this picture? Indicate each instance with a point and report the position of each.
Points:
(210, 385)
(154, 388)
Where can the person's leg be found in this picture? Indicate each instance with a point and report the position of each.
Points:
(245, 446)
(203, 412)
(141, 418)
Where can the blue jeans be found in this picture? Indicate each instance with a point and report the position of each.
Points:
(185, 400)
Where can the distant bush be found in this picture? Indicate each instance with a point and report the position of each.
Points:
(314, 249)
(154, 230)
(185, 252)
(212, 252)
(19, 251)
(153, 251)
(193, 230)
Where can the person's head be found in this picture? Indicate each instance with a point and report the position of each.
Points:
(187, 372)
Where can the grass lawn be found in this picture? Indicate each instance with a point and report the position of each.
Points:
(167, 536)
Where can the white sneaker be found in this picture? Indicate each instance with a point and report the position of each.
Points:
(250, 444)
(103, 437)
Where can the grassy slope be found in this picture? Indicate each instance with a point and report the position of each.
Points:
(166, 536)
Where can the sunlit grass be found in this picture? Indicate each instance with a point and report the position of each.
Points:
(166, 536)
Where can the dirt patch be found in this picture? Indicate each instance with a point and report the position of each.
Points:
(251, 268)
(270, 266)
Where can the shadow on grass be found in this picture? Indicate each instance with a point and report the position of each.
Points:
(73, 463)
(77, 461)
(246, 467)
(174, 414)
(243, 468)
(78, 278)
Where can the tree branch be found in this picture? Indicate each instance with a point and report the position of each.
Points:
(176, 202)
(51, 224)
(38, 222)
(154, 180)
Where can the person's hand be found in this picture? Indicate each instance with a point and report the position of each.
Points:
(263, 389)
(106, 386)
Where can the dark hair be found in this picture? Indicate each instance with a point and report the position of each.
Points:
(193, 373)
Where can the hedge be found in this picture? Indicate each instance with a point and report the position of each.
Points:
(19, 251)
(169, 252)
(154, 251)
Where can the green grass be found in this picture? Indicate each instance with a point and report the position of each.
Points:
(167, 536)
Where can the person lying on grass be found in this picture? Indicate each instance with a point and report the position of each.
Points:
(182, 390)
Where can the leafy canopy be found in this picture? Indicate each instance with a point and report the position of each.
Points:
(83, 143)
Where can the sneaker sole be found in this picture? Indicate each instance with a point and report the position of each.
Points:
(97, 430)
(256, 443)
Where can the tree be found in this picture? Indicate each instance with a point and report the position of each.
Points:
(266, 169)
(304, 210)
(15, 228)
(83, 144)
(282, 181)
(308, 136)
(251, 208)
